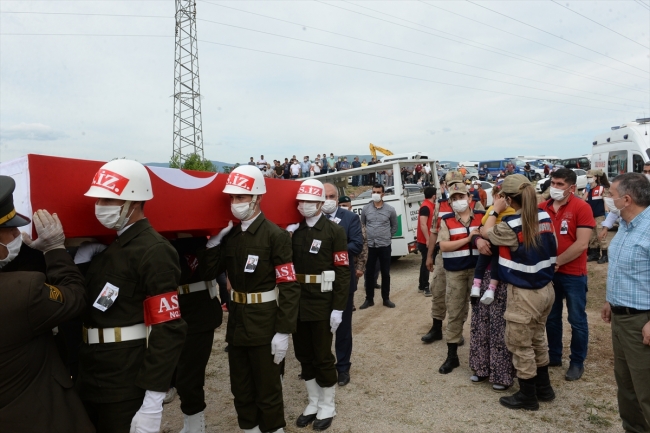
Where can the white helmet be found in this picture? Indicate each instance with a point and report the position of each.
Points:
(246, 180)
(311, 190)
(122, 179)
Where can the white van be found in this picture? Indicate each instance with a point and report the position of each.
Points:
(624, 149)
(403, 157)
(406, 199)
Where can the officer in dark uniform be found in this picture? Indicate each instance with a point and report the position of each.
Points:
(257, 256)
(320, 255)
(201, 309)
(131, 348)
(36, 392)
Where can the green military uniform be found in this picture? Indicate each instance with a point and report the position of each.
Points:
(36, 392)
(113, 377)
(254, 377)
(203, 315)
(439, 285)
(313, 338)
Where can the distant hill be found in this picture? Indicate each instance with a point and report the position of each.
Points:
(218, 164)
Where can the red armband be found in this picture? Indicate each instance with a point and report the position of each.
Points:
(285, 273)
(161, 308)
(341, 259)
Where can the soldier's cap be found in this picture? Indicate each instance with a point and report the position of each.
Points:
(512, 183)
(345, 199)
(467, 181)
(595, 172)
(457, 188)
(8, 215)
(453, 177)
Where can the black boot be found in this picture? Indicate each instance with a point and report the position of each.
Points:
(452, 359)
(603, 258)
(435, 333)
(525, 398)
(543, 385)
(593, 254)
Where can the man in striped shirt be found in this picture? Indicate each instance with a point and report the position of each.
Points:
(628, 300)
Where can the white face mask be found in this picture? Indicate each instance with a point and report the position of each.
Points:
(14, 248)
(376, 198)
(307, 209)
(609, 202)
(329, 206)
(459, 205)
(111, 216)
(242, 211)
(557, 194)
(647, 176)
(592, 180)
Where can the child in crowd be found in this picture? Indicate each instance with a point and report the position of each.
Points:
(493, 260)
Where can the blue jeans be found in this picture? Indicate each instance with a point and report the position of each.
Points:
(574, 289)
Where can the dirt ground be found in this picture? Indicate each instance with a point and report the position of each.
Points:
(395, 385)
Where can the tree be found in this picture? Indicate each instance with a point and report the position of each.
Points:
(193, 162)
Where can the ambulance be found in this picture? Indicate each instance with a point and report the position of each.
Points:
(624, 149)
(406, 199)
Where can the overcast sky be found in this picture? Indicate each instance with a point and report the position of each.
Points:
(461, 80)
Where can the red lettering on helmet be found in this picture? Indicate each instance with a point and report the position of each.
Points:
(285, 273)
(311, 190)
(341, 259)
(110, 180)
(241, 181)
(161, 308)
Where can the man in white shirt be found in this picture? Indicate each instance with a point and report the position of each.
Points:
(262, 164)
(295, 169)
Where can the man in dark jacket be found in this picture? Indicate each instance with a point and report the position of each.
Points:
(36, 392)
(352, 226)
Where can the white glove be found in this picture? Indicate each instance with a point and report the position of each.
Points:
(147, 419)
(216, 240)
(49, 230)
(279, 347)
(87, 251)
(335, 320)
(292, 227)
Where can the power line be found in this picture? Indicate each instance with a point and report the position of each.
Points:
(510, 54)
(645, 6)
(351, 37)
(334, 64)
(603, 26)
(556, 36)
(600, 80)
(84, 13)
(513, 34)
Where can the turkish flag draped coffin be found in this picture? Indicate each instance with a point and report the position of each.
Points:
(184, 201)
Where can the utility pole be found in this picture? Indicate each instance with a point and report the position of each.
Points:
(188, 133)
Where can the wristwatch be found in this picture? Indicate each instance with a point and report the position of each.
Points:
(495, 214)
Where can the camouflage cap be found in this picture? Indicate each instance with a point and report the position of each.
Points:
(512, 183)
(595, 172)
(453, 177)
(457, 188)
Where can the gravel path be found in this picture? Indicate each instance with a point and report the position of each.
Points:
(395, 385)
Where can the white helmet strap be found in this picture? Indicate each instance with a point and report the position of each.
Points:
(251, 208)
(119, 225)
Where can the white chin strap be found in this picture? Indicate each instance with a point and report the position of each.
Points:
(251, 208)
(119, 225)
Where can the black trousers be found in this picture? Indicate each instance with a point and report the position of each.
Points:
(383, 254)
(424, 272)
(312, 343)
(112, 417)
(343, 343)
(190, 371)
(255, 384)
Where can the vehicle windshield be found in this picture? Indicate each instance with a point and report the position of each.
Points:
(519, 162)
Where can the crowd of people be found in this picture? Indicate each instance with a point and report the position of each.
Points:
(517, 264)
(136, 318)
(295, 169)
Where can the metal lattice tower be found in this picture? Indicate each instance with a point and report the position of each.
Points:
(188, 132)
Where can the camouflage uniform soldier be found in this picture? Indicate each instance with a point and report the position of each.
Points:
(527, 255)
(434, 262)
